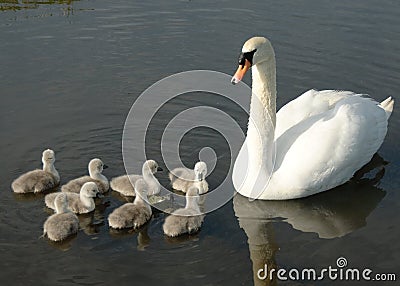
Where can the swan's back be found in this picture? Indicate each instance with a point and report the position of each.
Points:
(34, 181)
(185, 220)
(315, 102)
(182, 179)
(74, 203)
(133, 214)
(75, 185)
(62, 224)
(58, 227)
(325, 149)
(123, 184)
(129, 215)
(182, 221)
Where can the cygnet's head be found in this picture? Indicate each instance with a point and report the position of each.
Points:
(48, 156)
(96, 166)
(141, 188)
(200, 171)
(90, 190)
(152, 166)
(61, 203)
(255, 51)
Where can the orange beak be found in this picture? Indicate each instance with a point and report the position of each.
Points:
(241, 71)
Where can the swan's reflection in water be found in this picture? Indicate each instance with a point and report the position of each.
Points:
(330, 214)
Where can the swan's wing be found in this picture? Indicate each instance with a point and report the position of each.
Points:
(324, 150)
(49, 200)
(123, 184)
(75, 185)
(308, 104)
(34, 181)
(75, 204)
(181, 178)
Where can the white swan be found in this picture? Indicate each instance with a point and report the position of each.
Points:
(37, 181)
(123, 184)
(182, 178)
(78, 203)
(133, 214)
(95, 167)
(185, 220)
(63, 223)
(321, 138)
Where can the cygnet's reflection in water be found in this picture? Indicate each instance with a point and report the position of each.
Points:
(142, 237)
(331, 214)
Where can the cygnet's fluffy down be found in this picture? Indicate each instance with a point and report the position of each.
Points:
(37, 181)
(95, 167)
(182, 178)
(132, 215)
(123, 184)
(63, 223)
(185, 220)
(78, 203)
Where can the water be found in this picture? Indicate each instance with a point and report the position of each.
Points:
(70, 70)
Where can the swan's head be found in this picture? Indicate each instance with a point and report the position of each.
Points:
(255, 51)
(61, 203)
(141, 188)
(48, 156)
(96, 166)
(90, 190)
(200, 171)
(152, 166)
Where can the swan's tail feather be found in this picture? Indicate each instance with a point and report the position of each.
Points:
(387, 105)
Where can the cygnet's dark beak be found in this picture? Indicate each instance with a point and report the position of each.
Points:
(99, 195)
(159, 169)
(105, 167)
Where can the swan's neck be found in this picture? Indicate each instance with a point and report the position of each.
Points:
(264, 88)
(200, 185)
(261, 128)
(191, 203)
(149, 178)
(96, 175)
(139, 199)
(88, 202)
(60, 209)
(49, 167)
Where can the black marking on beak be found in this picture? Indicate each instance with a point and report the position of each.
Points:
(159, 169)
(105, 166)
(246, 56)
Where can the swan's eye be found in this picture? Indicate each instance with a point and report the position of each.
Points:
(246, 56)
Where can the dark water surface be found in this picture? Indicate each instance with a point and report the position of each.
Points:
(70, 70)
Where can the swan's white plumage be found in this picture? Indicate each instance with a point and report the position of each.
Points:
(321, 138)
